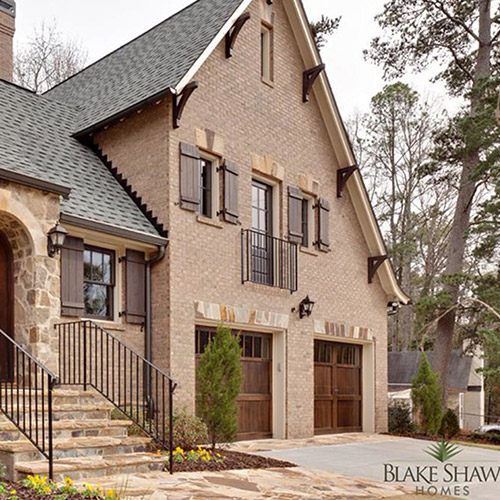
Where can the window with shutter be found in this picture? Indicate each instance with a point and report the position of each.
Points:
(136, 287)
(323, 207)
(295, 214)
(72, 301)
(231, 174)
(190, 173)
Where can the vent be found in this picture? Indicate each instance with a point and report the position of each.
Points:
(8, 6)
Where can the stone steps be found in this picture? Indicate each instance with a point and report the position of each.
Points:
(59, 397)
(92, 467)
(72, 429)
(87, 442)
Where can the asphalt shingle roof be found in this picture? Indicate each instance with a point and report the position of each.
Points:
(146, 66)
(403, 366)
(35, 140)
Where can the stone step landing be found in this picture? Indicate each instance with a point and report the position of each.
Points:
(87, 442)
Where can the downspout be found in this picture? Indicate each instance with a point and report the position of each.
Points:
(148, 341)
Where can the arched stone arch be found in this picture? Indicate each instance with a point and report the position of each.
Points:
(15, 208)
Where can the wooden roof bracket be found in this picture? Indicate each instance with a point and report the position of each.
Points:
(233, 33)
(373, 264)
(343, 175)
(309, 77)
(180, 101)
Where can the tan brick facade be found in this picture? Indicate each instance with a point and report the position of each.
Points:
(7, 28)
(259, 127)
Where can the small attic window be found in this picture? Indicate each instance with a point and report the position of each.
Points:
(266, 53)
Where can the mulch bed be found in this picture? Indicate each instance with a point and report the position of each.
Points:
(232, 460)
(23, 493)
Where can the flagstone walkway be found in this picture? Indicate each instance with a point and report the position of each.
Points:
(289, 483)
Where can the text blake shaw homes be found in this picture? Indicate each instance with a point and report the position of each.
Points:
(203, 175)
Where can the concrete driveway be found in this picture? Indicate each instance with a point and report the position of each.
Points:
(381, 459)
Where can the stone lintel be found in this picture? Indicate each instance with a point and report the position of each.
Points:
(308, 184)
(241, 315)
(342, 331)
(267, 166)
(210, 141)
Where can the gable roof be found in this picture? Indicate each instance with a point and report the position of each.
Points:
(403, 366)
(186, 40)
(147, 67)
(37, 149)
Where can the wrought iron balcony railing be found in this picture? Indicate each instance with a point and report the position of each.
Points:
(268, 260)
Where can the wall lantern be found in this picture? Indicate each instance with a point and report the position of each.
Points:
(392, 308)
(55, 241)
(305, 307)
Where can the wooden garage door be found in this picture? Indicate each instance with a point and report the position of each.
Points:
(337, 387)
(255, 400)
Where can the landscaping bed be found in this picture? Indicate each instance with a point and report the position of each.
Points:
(474, 438)
(223, 460)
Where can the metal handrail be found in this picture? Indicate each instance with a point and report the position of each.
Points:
(268, 260)
(89, 355)
(28, 405)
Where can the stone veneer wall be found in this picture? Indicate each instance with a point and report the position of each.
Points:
(26, 215)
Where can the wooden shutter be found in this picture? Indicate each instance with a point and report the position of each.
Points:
(136, 287)
(72, 302)
(190, 177)
(323, 208)
(295, 214)
(231, 174)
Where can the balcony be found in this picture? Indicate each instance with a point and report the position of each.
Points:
(267, 260)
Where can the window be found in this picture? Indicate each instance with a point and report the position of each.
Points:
(206, 186)
(262, 243)
(266, 53)
(98, 278)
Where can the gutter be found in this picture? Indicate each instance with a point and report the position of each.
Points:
(33, 182)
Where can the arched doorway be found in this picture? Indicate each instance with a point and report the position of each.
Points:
(6, 307)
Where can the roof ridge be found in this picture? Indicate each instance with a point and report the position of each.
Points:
(143, 207)
(123, 46)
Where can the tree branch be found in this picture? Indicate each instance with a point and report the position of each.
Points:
(439, 5)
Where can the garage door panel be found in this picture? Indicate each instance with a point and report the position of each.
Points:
(337, 387)
(255, 399)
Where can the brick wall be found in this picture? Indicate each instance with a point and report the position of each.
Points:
(203, 264)
(7, 27)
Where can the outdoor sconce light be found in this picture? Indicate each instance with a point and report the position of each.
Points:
(305, 307)
(392, 308)
(55, 241)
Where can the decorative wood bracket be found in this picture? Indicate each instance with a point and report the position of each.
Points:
(373, 264)
(343, 175)
(233, 33)
(309, 77)
(180, 102)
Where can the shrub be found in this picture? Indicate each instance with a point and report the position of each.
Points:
(219, 381)
(449, 424)
(400, 421)
(487, 437)
(427, 397)
(189, 431)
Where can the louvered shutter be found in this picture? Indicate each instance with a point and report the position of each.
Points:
(323, 208)
(295, 214)
(190, 177)
(72, 302)
(231, 174)
(136, 287)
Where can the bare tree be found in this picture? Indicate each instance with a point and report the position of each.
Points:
(47, 59)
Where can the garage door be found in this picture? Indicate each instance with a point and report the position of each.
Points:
(337, 387)
(255, 400)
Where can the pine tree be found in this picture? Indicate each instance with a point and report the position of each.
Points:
(426, 397)
(219, 381)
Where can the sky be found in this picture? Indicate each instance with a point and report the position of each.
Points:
(104, 25)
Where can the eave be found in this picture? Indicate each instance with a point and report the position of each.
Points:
(33, 182)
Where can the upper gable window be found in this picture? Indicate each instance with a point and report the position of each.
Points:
(267, 52)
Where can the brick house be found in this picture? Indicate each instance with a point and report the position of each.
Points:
(203, 174)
